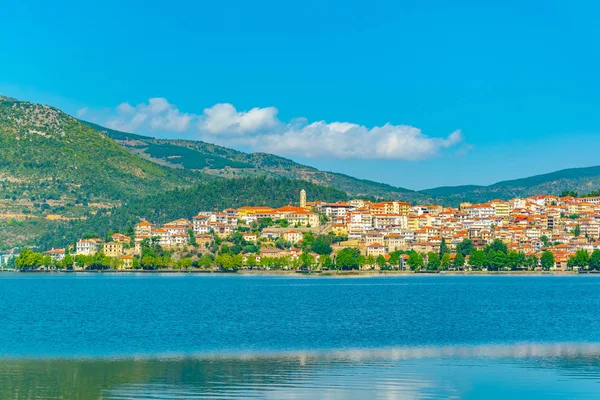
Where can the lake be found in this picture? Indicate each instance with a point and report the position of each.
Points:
(197, 336)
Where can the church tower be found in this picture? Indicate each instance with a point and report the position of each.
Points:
(303, 198)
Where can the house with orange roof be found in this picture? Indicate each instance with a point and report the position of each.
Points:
(144, 228)
(56, 254)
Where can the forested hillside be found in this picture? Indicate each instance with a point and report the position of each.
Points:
(187, 203)
(229, 163)
(58, 174)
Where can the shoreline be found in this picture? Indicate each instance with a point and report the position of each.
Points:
(316, 274)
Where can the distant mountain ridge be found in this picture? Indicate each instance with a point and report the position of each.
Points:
(581, 180)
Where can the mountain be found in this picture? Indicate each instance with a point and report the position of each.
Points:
(224, 162)
(581, 180)
(49, 155)
(57, 172)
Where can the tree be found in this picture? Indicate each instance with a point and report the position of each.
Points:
(433, 261)
(347, 258)
(29, 259)
(545, 240)
(67, 262)
(307, 240)
(307, 260)
(184, 263)
(251, 261)
(459, 261)
(205, 261)
(370, 260)
(478, 259)
(515, 260)
(580, 259)
(547, 260)
(497, 245)
(594, 262)
(576, 231)
(465, 247)
(415, 261)
(495, 260)
(326, 262)
(394, 259)
(321, 246)
(192, 237)
(531, 262)
(380, 261)
(445, 262)
(444, 249)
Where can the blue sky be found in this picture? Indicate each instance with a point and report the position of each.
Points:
(472, 92)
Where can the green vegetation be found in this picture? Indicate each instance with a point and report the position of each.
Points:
(185, 203)
(190, 158)
(229, 163)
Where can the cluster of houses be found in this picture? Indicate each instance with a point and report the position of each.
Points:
(531, 225)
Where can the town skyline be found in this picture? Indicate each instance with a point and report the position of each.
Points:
(551, 233)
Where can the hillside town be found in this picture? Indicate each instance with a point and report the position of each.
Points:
(536, 233)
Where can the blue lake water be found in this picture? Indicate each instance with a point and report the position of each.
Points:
(198, 336)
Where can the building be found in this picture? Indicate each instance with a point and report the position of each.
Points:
(303, 198)
(292, 236)
(375, 250)
(56, 254)
(113, 249)
(144, 228)
(126, 262)
(87, 247)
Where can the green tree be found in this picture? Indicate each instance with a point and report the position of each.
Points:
(370, 261)
(347, 258)
(192, 237)
(594, 262)
(394, 259)
(28, 259)
(445, 262)
(495, 260)
(547, 260)
(478, 259)
(515, 260)
(321, 246)
(576, 231)
(580, 259)
(433, 261)
(497, 246)
(444, 249)
(326, 262)
(415, 261)
(531, 262)
(459, 261)
(465, 247)
(184, 263)
(307, 260)
(380, 261)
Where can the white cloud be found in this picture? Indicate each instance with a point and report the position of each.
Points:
(158, 113)
(225, 119)
(259, 129)
(82, 112)
(347, 140)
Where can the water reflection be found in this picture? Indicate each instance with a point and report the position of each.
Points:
(521, 371)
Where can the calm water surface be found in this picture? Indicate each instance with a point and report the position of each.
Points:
(182, 336)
